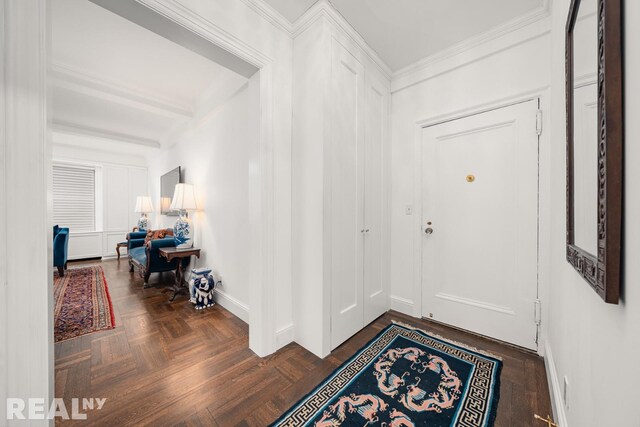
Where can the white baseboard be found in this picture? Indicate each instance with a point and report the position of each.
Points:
(236, 307)
(557, 403)
(402, 305)
(284, 336)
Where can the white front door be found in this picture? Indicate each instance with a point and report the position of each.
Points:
(480, 198)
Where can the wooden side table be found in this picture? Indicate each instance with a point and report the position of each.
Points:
(120, 245)
(175, 253)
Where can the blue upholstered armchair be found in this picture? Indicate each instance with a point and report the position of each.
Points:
(147, 259)
(60, 248)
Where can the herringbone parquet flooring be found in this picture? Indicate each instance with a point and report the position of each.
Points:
(167, 364)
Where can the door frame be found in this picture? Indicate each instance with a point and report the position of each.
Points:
(541, 94)
(262, 333)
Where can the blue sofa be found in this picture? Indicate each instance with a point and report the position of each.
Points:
(147, 259)
(60, 248)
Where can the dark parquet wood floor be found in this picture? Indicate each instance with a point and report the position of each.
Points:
(167, 364)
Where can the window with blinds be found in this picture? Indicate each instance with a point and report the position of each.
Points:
(74, 197)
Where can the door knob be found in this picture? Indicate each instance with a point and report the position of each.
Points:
(428, 230)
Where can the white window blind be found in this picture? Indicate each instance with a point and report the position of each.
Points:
(74, 197)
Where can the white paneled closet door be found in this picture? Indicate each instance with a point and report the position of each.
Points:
(347, 195)
(359, 120)
(375, 293)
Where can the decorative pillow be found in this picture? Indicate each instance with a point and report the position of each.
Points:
(157, 234)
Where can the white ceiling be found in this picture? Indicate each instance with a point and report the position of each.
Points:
(73, 109)
(291, 9)
(405, 31)
(116, 79)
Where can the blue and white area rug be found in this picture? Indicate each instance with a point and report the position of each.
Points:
(405, 377)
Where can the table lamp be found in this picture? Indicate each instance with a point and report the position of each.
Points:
(184, 199)
(143, 206)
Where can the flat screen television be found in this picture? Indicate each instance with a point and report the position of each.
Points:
(168, 183)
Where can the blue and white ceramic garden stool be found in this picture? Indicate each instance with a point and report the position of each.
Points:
(201, 288)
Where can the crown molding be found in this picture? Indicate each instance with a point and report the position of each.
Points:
(82, 81)
(310, 16)
(320, 8)
(182, 15)
(403, 75)
(271, 15)
(86, 131)
(420, 70)
(326, 9)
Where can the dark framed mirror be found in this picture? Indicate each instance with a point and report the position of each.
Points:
(595, 143)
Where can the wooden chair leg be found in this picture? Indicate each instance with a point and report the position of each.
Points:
(130, 267)
(61, 270)
(146, 280)
(66, 265)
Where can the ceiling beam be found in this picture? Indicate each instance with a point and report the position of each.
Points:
(73, 79)
(142, 15)
(81, 130)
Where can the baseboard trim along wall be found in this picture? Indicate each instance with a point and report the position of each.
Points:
(402, 305)
(236, 307)
(555, 391)
(285, 335)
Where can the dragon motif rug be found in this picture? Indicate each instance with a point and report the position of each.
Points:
(405, 377)
(82, 303)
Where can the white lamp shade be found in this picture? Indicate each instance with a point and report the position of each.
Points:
(184, 198)
(143, 204)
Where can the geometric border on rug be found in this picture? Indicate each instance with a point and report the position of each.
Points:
(405, 377)
(82, 303)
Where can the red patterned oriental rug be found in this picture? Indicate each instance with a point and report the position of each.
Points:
(82, 303)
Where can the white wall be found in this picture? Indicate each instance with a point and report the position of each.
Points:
(238, 21)
(219, 155)
(595, 344)
(504, 68)
(311, 127)
(26, 330)
(591, 343)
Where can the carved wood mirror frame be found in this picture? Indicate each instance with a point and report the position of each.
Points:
(602, 270)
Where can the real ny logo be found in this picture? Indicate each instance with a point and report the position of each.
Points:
(36, 409)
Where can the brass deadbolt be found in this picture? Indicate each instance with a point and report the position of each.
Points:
(471, 178)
